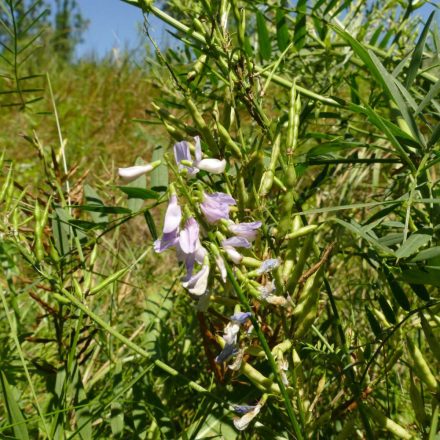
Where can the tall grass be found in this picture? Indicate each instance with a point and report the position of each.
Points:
(326, 114)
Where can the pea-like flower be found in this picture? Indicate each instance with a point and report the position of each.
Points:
(229, 246)
(182, 153)
(198, 283)
(230, 333)
(173, 216)
(241, 423)
(131, 173)
(245, 230)
(216, 206)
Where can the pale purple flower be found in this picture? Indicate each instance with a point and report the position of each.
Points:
(213, 166)
(182, 152)
(131, 173)
(243, 409)
(236, 242)
(216, 206)
(189, 236)
(221, 267)
(233, 255)
(198, 283)
(246, 230)
(268, 265)
(240, 317)
(173, 216)
(228, 351)
(241, 423)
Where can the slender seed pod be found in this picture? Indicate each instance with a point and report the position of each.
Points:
(77, 287)
(110, 279)
(268, 176)
(290, 258)
(174, 132)
(6, 185)
(201, 124)
(386, 423)
(393, 360)
(228, 141)
(243, 196)
(432, 340)
(299, 266)
(417, 403)
(305, 312)
(420, 366)
(197, 69)
(306, 230)
(291, 118)
(38, 232)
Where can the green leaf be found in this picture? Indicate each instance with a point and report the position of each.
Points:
(263, 37)
(374, 324)
(413, 243)
(418, 54)
(358, 230)
(15, 415)
(433, 92)
(92, 198)
(387, 310)
(426, 276)
(427, 254)
(282, 29)
(159, 176)
(151, 225)
(397, 291)
(299, 36)
(61, 230)
(117, 419)
(103, 209)
(420, 291)
(139, 193)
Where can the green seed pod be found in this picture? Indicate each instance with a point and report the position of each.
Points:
(38, 232)
(306, 230)
(174, 132)
(393, 360)
(228, 141)
(198, 67)
(305, 312)
(420, 366)
(77, 287)
(266, 183)
(6, 185)
(201, 124)
(61, 298)
(268, 176)
(432, 340)
(299, 266)
(417, 403)
(110, 279)
(386, 423)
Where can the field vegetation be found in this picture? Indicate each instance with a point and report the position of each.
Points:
(270, 269)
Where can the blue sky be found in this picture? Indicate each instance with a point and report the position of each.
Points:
(117, 24)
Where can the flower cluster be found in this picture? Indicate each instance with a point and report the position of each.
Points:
(230, 337)
(214, 207)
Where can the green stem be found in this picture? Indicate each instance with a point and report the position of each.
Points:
(242, 297)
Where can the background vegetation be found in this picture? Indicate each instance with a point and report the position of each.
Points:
(328, 115)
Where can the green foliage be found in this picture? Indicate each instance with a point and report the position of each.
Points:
(327, 113)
